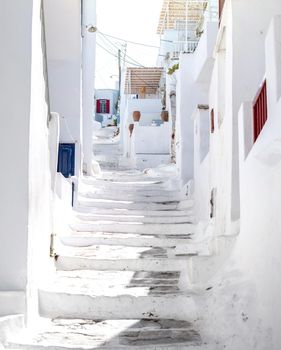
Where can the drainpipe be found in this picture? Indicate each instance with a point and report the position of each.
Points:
(45, 63)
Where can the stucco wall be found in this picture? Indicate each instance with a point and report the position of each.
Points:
(193, 81)
(88, 81)
(25, 223)
(64, 52)
(39, 204)
(201, 165)
(108, 94)
(14, 126)
(258, 250)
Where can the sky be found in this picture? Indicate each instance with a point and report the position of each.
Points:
(133, 20)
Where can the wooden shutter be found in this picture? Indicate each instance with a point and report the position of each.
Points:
(108, 106)
(260, 110)
(98, 106)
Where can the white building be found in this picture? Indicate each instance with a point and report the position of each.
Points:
(224, 102)
(71, 41)
(41, 74)
(227, 107)
(106, 102)
(147, 142)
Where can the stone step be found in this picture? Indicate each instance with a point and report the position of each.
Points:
(101, 295)
(128, 177)
(134, 197)
(134, 227)
(60, 334)
(143, 183)
(135, 218)
(127, 212)
(131, 205)
(83, 239)
(129, 191)
(113, 257)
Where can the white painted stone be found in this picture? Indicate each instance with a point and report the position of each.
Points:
(136, 219)
(80, 239)
(134, 227)
(134, 334)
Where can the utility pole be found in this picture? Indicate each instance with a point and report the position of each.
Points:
(119, 82)
(119, 69)
(125, 53)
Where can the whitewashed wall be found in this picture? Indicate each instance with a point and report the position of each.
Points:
(145, 106)
(88, 82)
(64, 52)
(14, 126)
(258, 250)
(25, 224)
(201, 164)
(193, 78)
(108, 94)
(238, 70)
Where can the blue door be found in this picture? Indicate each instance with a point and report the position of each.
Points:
(66, 161)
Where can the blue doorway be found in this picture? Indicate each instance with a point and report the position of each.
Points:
(66, 160)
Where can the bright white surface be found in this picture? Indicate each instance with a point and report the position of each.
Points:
(14, 142)
(115, 18)
(63, 34)
(88, 82)
(152, 139)
(108, 94)
(201, 164)
(258, 245)
(145, 106)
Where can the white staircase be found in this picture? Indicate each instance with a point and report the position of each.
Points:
(122, 270)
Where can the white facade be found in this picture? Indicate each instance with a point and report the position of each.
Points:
(88, 81)
(63, 36)
(149, 145)
(25, 177)
(237, 180)
(70, 46)
(108, 94)
(36, 201)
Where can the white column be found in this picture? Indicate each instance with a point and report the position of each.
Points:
(88, 80)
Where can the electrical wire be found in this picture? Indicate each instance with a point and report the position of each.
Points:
(111, 53)
(118, 48)
(128, 41)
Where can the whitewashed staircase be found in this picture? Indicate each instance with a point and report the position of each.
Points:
(122, 271)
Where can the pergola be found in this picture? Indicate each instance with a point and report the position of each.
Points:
(181, 11)
(143, 80)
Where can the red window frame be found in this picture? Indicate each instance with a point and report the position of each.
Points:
(212, 116)
(105, 103)
(260, 112)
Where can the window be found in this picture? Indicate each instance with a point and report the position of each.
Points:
(103, 106)
(212, 121)
(260, 110)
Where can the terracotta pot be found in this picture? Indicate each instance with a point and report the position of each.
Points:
(142, 92)
(131, 128)
(136, 116)
(165, 116)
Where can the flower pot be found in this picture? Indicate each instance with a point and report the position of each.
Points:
(136, 116)
(131, 128)
(165, 116)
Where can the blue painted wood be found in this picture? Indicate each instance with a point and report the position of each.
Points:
(66, 161)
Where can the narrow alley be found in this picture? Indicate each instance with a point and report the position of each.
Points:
(140, 167)
(120, 281)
